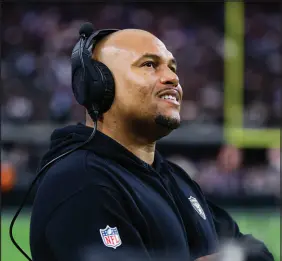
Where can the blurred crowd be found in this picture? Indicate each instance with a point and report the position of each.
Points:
(36, 77)
(38, 39)
(228, 173)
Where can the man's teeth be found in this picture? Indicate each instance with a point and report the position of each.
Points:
(169, 97)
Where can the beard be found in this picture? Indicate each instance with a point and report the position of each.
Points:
(154, 129)
(168, 123)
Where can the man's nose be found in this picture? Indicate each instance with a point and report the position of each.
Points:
(169, 77)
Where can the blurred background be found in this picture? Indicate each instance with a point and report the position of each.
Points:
(37, 40)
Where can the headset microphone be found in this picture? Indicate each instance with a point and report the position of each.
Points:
(86, 30)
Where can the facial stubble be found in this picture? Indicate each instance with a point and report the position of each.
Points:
(169, 123)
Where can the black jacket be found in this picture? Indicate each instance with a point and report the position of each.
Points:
(102, 203)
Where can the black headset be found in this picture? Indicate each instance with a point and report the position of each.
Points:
(93, 87)
(92, 81)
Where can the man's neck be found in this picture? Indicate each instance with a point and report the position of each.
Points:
(139, 146)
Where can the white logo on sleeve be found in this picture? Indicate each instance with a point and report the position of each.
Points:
(197, 207)
(110, 237)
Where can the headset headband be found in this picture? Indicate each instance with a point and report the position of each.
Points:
(96, 36)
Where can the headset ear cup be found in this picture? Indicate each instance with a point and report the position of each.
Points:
(92, 81)
(78, 86)
(108, 85)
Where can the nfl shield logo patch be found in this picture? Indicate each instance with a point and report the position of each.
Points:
(197, 207)
(110, 237)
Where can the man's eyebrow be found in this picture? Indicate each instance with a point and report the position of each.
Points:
(153, 57)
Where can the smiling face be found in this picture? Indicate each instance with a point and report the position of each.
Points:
(148, 93)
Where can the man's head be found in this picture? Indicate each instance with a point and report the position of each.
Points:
(147, 90)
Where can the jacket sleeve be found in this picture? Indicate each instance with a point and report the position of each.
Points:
(74, 230)
(227, 228)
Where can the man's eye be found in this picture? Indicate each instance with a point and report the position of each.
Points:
(150, 64)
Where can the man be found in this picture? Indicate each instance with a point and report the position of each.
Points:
(117, 198)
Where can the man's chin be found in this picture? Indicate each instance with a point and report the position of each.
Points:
(168, 123)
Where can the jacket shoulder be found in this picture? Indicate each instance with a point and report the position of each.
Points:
(69, 175)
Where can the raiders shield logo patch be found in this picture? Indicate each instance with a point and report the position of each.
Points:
(197, 207)
(110, 237)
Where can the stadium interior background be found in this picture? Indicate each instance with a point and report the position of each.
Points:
(37, 40)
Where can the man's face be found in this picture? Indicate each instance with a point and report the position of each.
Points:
(147, 86)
